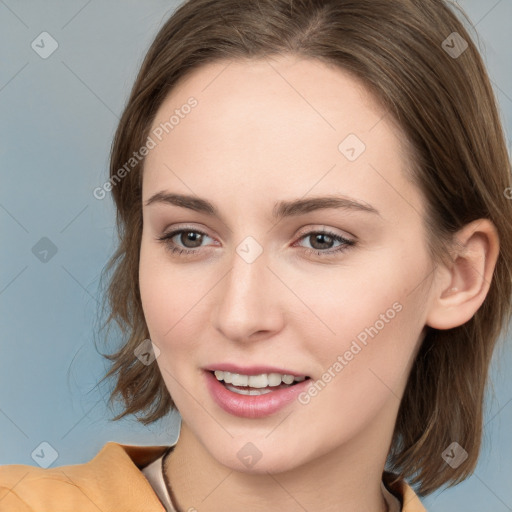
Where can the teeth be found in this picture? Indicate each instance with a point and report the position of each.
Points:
(248, 391)
(256, 381)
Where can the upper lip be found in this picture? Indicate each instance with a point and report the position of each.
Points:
(252, 370)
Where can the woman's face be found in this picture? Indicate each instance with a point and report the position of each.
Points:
(262, 290)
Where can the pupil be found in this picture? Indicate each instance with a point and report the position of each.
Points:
(320, 236)
(191, 236)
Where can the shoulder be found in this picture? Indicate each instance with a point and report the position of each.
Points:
(10, 477)
(112, 480)
(26, 488)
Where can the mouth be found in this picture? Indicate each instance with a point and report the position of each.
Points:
(255, 391)
(255, 385)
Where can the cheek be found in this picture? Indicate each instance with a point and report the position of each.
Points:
(337, 304)
(159, 290)
(171, 300)
(165, 302)
(373, 294)
(365, 367)
(377, 316)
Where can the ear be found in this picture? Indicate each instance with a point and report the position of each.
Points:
(461, 286)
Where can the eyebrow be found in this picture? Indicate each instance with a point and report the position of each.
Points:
(281, 209)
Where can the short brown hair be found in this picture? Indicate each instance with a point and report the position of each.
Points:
(446, 107)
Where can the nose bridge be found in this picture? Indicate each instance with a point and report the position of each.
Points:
(245, 305)
(248, 277)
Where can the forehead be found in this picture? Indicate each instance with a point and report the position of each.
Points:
(282, 127)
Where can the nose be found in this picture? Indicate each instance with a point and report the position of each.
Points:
(249, 306)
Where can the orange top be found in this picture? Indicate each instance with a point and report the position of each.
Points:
(111, 482)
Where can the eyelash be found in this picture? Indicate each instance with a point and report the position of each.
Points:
(166, 239)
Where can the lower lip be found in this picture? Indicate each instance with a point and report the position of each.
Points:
(252, 406)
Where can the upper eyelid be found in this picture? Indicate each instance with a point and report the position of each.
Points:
(171, 233)
(344, 242)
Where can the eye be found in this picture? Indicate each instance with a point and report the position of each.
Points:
(320, 239)
(185, 236)
(192, 240)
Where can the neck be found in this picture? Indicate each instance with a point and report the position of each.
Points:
(347, 479)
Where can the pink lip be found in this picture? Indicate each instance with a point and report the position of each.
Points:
(251, 370)
(252, 406)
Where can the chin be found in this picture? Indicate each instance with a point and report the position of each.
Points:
(250, 459)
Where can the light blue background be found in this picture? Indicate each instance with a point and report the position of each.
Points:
(58, 117)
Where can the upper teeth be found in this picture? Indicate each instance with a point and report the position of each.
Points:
(256, 381)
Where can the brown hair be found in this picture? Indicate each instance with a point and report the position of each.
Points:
(446, 107)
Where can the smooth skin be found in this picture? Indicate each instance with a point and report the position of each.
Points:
(266, 131)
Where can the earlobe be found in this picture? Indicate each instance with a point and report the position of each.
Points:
(465, 282)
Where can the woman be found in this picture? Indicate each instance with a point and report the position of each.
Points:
(314, 262)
